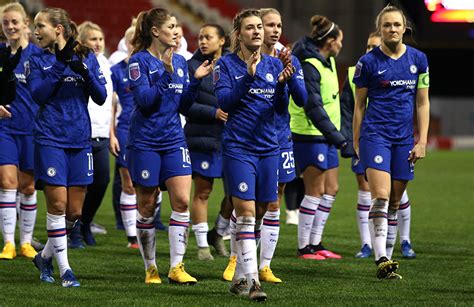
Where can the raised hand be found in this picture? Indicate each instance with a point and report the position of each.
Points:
(286, 73)
(252, 63)
(66, 54)
(8, 63)
(167, 60)
(204, 69)
(285, 56)
(78, 67)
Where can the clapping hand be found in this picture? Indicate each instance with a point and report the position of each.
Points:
(286, 73)
(204, 69)
(66, 54)
(167, 60)
(252, 63)
(8, 63)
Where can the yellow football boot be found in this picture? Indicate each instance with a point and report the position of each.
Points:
(177, 275)
(27, 251)
(230, 269)
(266, 274)
(152, 276)
(8, 252)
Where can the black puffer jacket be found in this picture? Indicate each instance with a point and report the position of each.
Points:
(203, 131)
(305, 49)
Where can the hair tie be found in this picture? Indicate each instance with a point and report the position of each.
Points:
(326, 34)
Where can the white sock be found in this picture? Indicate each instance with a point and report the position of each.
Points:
(308, 207)
(363, 207)
(222, 225)
(146, 239)
(159, 198)
(239, 272)
(269, 237)
(8, 214)
(258, 231)
(320, 218)
(56, 226)
(18, 200)
(200, 231)
(47, 252)
(233, 233)
(247, 249)
(404, 218)
(391, 232)
(128, 210)
(178, 231)
(27, 217)
(378, 227)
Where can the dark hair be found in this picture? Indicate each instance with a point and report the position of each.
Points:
(237, 23)
(59, 16)
(145, 21)
(220, 33)
(323, 29)
(389, 9)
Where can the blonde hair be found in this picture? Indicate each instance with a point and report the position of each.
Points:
(389, 9)
(14, 7)
(83, 31)
(129, 33)
(269, 10)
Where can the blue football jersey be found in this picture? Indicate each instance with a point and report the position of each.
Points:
(392, 86)
(121, 86)
(63, 119)
(297, 90)
(251, 103)
(23, 108)
(158, 96)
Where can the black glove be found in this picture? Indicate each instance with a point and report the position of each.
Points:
(66, 54)
(348, 151)
(80, 68)
(8, 63)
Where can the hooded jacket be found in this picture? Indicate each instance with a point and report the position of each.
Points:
(202, 130)
(304, 49)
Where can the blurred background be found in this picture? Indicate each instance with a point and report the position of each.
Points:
(443, 29)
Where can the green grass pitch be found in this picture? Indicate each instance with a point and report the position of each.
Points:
(442, 198)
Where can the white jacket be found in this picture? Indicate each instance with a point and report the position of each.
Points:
(101, 115)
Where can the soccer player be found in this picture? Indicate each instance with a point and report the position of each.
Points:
(316, 135)
(395, 79)
(16, 138)
(92, 36)
(157, 151)
(204, 124)
(118, 141)
(61, 79)
(363, 194)
(251, 88)
(270, 230)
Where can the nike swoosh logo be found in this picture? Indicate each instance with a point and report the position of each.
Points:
(334, 96)
(47, 67)
(186, 166)
(90, 174)
(243, 254)
(289, 172)
(125, 79)
(239, 77)
(153, 71)
(381, 71)
(56, 246)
